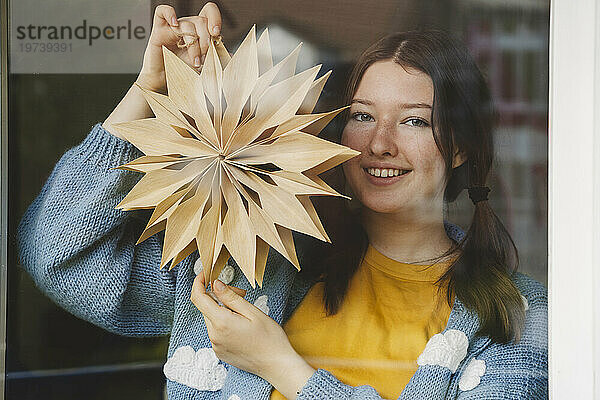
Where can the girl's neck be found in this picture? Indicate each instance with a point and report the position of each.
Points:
(413, 239)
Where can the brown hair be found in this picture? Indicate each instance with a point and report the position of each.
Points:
(462, 119)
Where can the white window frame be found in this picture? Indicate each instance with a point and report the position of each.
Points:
(574, 200)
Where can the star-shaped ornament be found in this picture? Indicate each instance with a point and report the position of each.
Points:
(231, 158)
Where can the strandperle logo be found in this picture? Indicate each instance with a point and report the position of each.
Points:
(83, 31)
(79, 37)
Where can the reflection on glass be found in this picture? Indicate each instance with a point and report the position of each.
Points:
(53, 354)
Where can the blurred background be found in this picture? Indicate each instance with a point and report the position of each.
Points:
(53, 355)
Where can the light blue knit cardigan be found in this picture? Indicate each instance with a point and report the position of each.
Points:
(81, 252)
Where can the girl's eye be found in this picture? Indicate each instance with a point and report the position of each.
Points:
(418, 122)
(362, 117)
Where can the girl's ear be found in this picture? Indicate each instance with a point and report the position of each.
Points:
(459, 158)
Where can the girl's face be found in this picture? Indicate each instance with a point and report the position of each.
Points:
(400, 167)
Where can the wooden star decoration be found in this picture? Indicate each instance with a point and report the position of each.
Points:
(231, 158)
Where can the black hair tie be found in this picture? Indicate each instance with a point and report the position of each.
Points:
(478, 193)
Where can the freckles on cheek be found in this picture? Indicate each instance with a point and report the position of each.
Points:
(353, 138)
(344, 139)
(428, 154)
(430, 162)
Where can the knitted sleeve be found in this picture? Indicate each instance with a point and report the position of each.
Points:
(81, 251)
(322, 385)
(516, 371)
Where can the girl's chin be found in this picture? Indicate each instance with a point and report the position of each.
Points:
(385, 207)
(401, 206)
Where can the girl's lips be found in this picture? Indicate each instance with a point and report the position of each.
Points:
(378, 181)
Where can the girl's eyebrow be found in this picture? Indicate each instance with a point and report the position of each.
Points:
(361, 101)
(404, 105)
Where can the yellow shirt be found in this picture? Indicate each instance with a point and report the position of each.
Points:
(390, 312)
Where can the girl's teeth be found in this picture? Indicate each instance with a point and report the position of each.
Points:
(384, 173)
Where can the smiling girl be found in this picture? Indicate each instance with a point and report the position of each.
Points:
(402, 304)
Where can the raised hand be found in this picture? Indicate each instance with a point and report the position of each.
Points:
(187, 37)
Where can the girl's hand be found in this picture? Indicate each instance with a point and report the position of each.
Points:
(166, 31)
(243, 336)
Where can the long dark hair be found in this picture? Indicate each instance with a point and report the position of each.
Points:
(463, 119)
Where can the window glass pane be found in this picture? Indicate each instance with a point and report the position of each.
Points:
(71, 64)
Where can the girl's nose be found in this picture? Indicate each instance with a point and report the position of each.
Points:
(382, 142)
